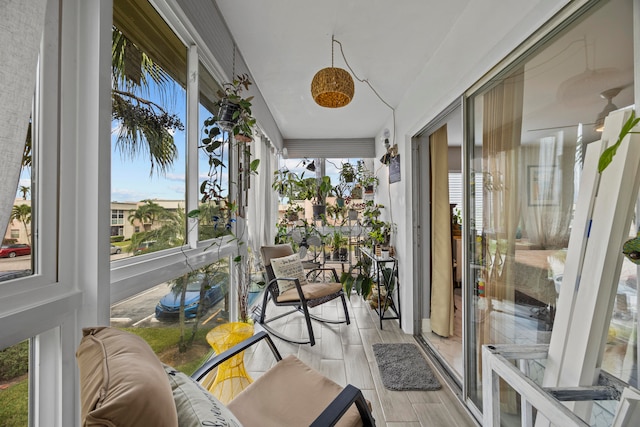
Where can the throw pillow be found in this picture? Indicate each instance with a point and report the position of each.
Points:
(195, 405)
(122, 382)
(288, 266)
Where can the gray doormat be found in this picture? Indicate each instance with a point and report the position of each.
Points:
(402, 367)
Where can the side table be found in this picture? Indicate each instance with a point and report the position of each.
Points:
(231, 377)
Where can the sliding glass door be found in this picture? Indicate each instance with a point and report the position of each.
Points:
(528, 127)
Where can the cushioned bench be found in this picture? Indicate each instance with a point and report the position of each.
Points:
(123, 383)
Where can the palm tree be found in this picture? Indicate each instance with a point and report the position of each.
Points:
(170, 233)
(145, 127)
(24, 190)
(22, 213)
(142, 215)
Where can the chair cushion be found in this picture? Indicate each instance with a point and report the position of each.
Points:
(289, 394)
(291, 267)
(122, 382)
(195, 405)
(311, 291)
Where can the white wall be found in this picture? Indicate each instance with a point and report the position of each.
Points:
(465, 56)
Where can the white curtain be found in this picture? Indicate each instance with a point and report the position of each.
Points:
(259, 213)
(21, 25)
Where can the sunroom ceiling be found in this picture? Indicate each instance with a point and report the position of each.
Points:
(285, 42)
(389, 43)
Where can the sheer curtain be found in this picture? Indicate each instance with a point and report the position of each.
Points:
(546, 222)
(442, 306)
(260, 212)
(502, 127)
(21, 25)
(501, 134)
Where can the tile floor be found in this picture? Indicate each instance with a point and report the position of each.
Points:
(344, 354)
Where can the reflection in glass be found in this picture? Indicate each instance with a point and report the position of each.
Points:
(530, 126)
(17, 248)
(175, 316)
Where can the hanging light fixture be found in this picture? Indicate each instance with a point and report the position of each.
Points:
(332, 87)
(608, 95)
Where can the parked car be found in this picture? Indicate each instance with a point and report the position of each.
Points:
(17, 249)
(169, 305)
(144, 247)
(115, 249)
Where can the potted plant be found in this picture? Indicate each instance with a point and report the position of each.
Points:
(223, 133)
(347, 172)
(359, 278)
(366, 178)
(292, 213)
(285, 182)
(316, 190)
(338, 241)
(341, 191)
(234, 112)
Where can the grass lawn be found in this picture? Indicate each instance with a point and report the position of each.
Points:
(164, 342)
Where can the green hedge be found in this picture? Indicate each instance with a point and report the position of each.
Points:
(14, 361)
(115, 239)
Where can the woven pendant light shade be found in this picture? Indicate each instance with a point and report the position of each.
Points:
(332, 87)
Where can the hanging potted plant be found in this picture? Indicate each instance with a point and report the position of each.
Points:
(366, 178)
(347, 172)
(322, 190)
(223, 132)
(341, 191)
(234, 112)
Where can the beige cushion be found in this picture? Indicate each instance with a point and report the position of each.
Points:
(195, 405)
(289, 394)
(311, 290)
(291, 267)
(122, 382)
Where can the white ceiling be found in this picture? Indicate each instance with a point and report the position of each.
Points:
(285, 42)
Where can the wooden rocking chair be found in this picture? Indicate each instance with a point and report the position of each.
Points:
(299, 295)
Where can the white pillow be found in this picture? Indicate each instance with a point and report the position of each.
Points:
(288, 266)
(195, 405)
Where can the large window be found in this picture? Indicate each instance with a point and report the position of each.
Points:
(16, 257)
(530, 125)
(148, 130)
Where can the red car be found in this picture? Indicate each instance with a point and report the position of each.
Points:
(10, 251)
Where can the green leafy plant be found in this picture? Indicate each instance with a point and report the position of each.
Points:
(234, 112)
(358, 278)
(347, 172)
(286, 183)
(218, 144)
(607, 155)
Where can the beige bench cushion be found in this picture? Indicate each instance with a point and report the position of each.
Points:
(122, 382)
(311, 291)
(289, 394)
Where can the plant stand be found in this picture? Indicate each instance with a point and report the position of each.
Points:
(386, 292)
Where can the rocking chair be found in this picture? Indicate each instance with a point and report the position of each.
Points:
(301, 296)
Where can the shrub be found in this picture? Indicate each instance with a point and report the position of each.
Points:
(115, 239)
(14, 361)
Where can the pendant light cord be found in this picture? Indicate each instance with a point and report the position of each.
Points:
(393, 110)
